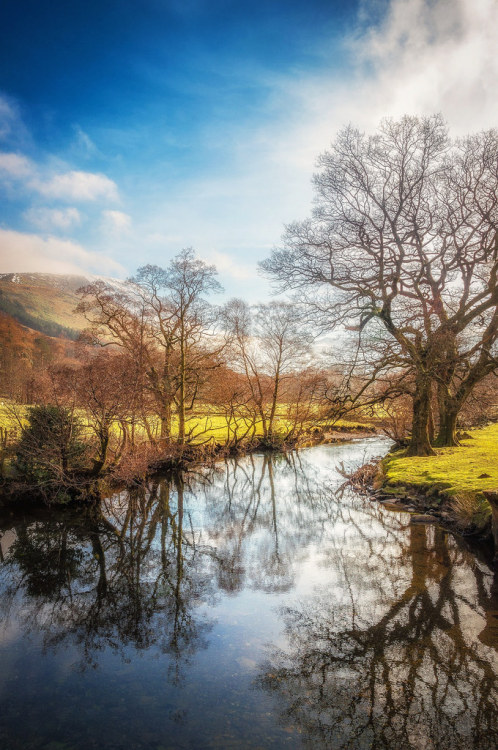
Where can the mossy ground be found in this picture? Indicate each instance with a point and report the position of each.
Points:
(457, 469)
(459, 475)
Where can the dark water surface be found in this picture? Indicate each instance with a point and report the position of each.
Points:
(252, 606)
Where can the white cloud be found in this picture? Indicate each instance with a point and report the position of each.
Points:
(70, 186)
(48, 219)
(77, 186)
(230, 266)
(21, 253)
(16, 166)
(429, 57)
(116, 221)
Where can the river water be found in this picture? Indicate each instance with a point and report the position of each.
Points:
(257, 605)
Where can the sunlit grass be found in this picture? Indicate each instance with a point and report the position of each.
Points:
(458, 469)
(207, 425)
(11, 415)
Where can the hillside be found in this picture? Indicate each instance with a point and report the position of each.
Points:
(43, 302)
(38, 326)
(23, 353)
(28, 345)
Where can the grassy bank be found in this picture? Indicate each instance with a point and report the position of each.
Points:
(203, 426)
(454, 479)
(134, 450)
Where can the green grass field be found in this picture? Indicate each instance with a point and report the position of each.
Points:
(204, 427)
(458, 469)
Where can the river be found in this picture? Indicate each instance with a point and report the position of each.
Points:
(259, 604)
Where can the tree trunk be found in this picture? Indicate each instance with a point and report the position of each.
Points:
(181, 419)
(99, 463)
(3, 449)
(165, 432)
(450, 404)
(432, 428)
(273, 410)
(420, 444)
(124, 442)
(181, 394)
(447, 427)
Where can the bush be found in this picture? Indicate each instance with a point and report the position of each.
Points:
(50, 449)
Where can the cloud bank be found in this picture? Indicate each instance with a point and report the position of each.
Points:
(22, 253)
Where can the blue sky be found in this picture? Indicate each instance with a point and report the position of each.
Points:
(130, 130)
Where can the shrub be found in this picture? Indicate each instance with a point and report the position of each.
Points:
(50, 448)
(472, 511)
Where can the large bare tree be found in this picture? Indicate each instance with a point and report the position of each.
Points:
(403, 236)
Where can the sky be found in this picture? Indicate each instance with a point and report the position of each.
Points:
(130, 130)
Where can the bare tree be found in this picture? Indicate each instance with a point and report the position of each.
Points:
(161, 318)
(307, 400)
(230, 394)
(269, 344)
(104, 385)
(403, 236)
(187, 281)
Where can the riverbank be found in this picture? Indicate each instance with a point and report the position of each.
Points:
(453, 487)
(150, 460)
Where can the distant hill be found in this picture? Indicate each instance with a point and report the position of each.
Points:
(43, 302)
(23, 354)
(38, 326)
(28, 346)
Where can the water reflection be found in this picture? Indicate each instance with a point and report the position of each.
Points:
(368, 631)
(401, 660)
(123, 574)
(261, 522)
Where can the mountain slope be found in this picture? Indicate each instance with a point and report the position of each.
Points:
(43, 302)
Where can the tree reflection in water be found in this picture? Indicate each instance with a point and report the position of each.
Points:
(399, 662)
(393, 642)
(123, 574)
(133, 571)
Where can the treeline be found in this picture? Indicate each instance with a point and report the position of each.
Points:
(398, 265)
(161, 374)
